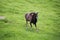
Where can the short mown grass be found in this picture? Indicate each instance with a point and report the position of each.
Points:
(15, 28)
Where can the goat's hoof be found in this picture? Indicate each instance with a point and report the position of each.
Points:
(37, 30)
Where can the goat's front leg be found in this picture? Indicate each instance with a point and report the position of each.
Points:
(31, 24)
(35, 26)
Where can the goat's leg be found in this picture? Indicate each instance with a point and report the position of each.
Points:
(26, 24)
(31, 24)
(36, 27)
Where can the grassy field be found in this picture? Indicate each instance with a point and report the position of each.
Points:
(15, 28)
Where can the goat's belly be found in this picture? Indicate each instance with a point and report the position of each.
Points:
(34, 21)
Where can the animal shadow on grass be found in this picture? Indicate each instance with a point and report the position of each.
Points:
(32, 29)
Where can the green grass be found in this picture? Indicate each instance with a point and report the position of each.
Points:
(15, 28)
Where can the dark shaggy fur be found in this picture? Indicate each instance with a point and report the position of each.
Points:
(32, 18)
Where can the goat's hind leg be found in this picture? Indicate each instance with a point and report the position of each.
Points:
(31, 24)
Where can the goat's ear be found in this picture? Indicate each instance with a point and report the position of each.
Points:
(37, 13)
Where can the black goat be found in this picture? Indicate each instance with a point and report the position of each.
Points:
(32, 18)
